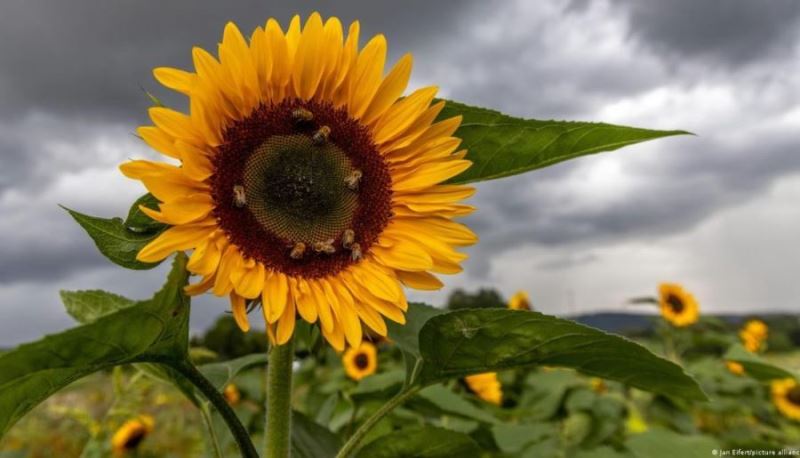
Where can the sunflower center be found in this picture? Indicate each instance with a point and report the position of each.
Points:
(675, 303)
(136, 437)
(296, 189)
(361, 361)
(301, 188)
(794, 395)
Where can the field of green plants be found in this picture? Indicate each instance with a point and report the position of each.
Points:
(533, 412)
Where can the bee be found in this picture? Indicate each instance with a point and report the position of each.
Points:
(321, 136)
(348, 237)
(302, 115)
(298, 250)
(239, 199)
(355, 251)
(325, 247)
(352, 181)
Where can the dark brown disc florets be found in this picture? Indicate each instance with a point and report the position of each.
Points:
(298, 186)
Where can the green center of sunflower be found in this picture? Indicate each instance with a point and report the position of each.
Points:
(361, 361)
(295, 188)
(675, 303)
(794, 395)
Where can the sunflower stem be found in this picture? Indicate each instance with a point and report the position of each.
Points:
(279, 400)
(216, 398)
(354, 442)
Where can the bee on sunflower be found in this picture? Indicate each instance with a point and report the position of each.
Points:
(308, 184)
(678, 306)
(520, 301)
(786, 397)
(131, 434)
(486, 386)
(754, 334)
(361, 361)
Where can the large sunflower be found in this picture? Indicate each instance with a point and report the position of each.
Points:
(306, 183)
(678, 306)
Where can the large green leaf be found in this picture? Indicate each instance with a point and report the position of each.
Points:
(755, 366)
(222, 373)
(449, 403)
(90, 305)
(464, 342)
(501, 145)
(120, 241)
(407, 335)
(312, 440)
(663, 443)
(149, 331)
(424, 442)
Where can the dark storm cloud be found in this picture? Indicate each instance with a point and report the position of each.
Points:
(90, 56)
(727, 31)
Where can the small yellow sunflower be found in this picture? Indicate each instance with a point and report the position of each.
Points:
(786, 397)
(232, 394)
(128, 437)
(734, 367)
(486, 386)
(678, 306)
(361, 361)
(308, 184)
(520, 301)
(598, 385)
(753, 335)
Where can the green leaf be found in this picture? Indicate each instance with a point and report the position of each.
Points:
(407, 335)
(755, 366)
(149, 331)
(222, 373)
(120, 241)
(501, 145)
(425, 442)
(138, 221)
(662, 443)
(450, 403)
(312, 440)
(88, 306)
(471, 341)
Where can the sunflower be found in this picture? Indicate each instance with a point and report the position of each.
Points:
(753, 334)
(786, 397)
(361, 361)
(131, 434)
(307, 185)
(486, 386)
(232, 394)
(598, 385)
(678, 306)
(734, 367)
(520, 301)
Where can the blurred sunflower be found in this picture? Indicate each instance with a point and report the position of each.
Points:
(753, 335)
(361, 361)
(734, 367)
(678, 306)
(128, 437)
(486, 386)
(786, 397)
(598, 385)
(232, 394)
(520, 301)
(307, 184)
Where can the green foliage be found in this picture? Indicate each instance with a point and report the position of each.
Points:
(228, 341)
(754, 366)
(89, 306)
(120, 241)
(425, 442)
(484, 298)
(466, 342)
(150, 330)
(500, 145)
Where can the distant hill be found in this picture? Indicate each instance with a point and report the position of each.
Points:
(640, 323)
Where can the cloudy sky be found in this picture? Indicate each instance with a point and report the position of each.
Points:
(718, 212)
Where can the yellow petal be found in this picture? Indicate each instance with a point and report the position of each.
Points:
(141, 168)
(171, 186)
(159, 141)
(324, 302)
(173, 123)
(310, 58)
(403, 114)
(390, 89)
(303, 299)
(420, 280)
(201, 287)
(367, 75)
(279, 51)
(285, 324)
(239, 310)
(196, 162)
(403, 256)
(181, 211)
(371, 318)
(351, 325)
(205, 258)
(376, 281)
(230, 262)
(335, 337)
(275, 296)
(178, 80)
(417, 133)
(430, 174)
(251, 282)
(174, 239)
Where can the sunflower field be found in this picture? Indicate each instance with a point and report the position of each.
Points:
(308, 188)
